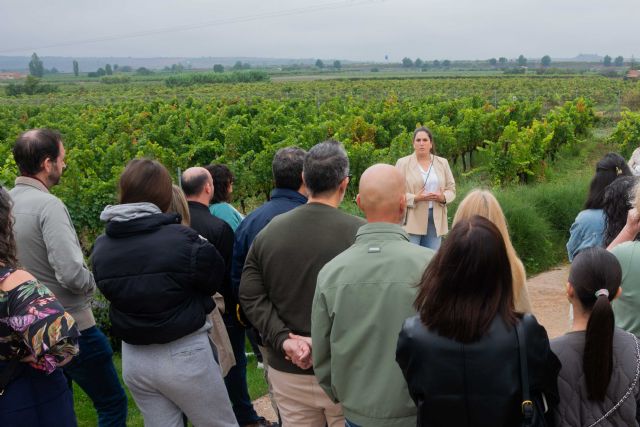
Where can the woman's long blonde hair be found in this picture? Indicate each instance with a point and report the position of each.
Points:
(179, 205)
(484, 203)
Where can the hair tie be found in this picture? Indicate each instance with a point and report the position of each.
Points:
(601, 292)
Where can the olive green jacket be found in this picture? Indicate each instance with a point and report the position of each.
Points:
(362, 298)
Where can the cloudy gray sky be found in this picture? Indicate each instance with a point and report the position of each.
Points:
(355, 29)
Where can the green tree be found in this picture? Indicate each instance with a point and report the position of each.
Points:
(493, 62)
(76, 68)
(108, 70)
(545, 61)
(142, 71)
(619, 61)
(337, 64)
(418, 63)
(237, 65)
(36, 67)
(436, 63)
(407, 62)
(446, 63)
(319, 63)
(101, 72)
(522, 61)
(218, 68)
(502, 61)
(607, 61)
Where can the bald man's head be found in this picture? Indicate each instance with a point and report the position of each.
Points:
(194, 181)
(382, 194)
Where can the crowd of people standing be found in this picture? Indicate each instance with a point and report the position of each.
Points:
(390, 320)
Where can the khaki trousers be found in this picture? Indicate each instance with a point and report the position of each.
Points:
(302, 402)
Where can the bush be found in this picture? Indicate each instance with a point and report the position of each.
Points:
(110, 80)
(631, 99)
(212, 78)
(31, 86)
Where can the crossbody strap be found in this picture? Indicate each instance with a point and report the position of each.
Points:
(631, 389)
(527, 404)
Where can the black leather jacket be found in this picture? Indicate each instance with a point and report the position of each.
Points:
(477, 384)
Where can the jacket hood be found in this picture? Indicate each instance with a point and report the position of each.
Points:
(135, 218)
(128, 211)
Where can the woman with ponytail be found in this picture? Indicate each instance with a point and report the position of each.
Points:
(598, 382)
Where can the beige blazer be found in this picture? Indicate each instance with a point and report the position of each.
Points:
(417, 212)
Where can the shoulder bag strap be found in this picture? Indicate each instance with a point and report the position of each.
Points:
(527, 404)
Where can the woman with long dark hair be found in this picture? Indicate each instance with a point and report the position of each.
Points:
(430, 186)
(618, 198)
(460, 355)
(588, 228)
(600, 363)
(36, 338)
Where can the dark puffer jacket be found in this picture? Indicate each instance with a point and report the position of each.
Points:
(159, 277)
(476, 384)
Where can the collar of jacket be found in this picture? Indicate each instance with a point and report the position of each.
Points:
(146, 224)
(381, 231)
(198, 205)
(31, 182)
(285, 193)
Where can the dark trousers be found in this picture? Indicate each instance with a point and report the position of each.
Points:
(35, 398)
(95, 373)
(236, 379)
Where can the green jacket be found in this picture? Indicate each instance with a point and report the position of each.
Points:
(362, 297)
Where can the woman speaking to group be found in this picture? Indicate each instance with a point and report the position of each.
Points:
(430, 186)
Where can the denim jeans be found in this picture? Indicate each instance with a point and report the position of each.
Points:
(348, 423)
(429, 240)
(95, 373)
(236, 379)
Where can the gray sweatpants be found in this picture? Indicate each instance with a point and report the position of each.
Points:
(167, 380)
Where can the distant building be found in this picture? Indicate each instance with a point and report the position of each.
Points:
(12, 76)
(632, 75)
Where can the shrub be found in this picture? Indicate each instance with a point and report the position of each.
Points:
(110, 80)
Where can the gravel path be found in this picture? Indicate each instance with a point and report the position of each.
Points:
(548, 297)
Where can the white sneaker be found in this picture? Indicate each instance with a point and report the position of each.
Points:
(260, 365)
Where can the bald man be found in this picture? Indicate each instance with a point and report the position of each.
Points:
(362, 297)
(197, 185)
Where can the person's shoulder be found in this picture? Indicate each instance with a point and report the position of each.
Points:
(403, 160)
(625, 248)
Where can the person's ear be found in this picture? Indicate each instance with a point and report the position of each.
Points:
(618, 293)
(570, 291)
(359, 202)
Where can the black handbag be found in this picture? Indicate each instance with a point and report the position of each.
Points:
(532, 408)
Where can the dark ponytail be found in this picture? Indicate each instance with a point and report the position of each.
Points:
(595, 276)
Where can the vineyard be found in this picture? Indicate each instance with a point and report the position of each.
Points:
(502, 130)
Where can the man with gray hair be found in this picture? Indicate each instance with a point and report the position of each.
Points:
(279, 281)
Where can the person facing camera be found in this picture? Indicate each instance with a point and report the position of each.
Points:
(462, 354)
(430, 186)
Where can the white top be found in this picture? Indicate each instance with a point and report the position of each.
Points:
(634, 162)
(430, 178)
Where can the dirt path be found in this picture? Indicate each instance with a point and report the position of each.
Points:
(548, 297)
(549, 300)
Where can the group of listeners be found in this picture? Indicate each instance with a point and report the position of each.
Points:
(372, 322)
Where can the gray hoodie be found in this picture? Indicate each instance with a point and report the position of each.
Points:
(48, 248)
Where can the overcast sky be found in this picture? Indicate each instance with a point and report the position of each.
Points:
(356, 29)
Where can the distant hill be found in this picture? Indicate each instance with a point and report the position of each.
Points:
(65, 64)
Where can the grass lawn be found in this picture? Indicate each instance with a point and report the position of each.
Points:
(87, 415)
